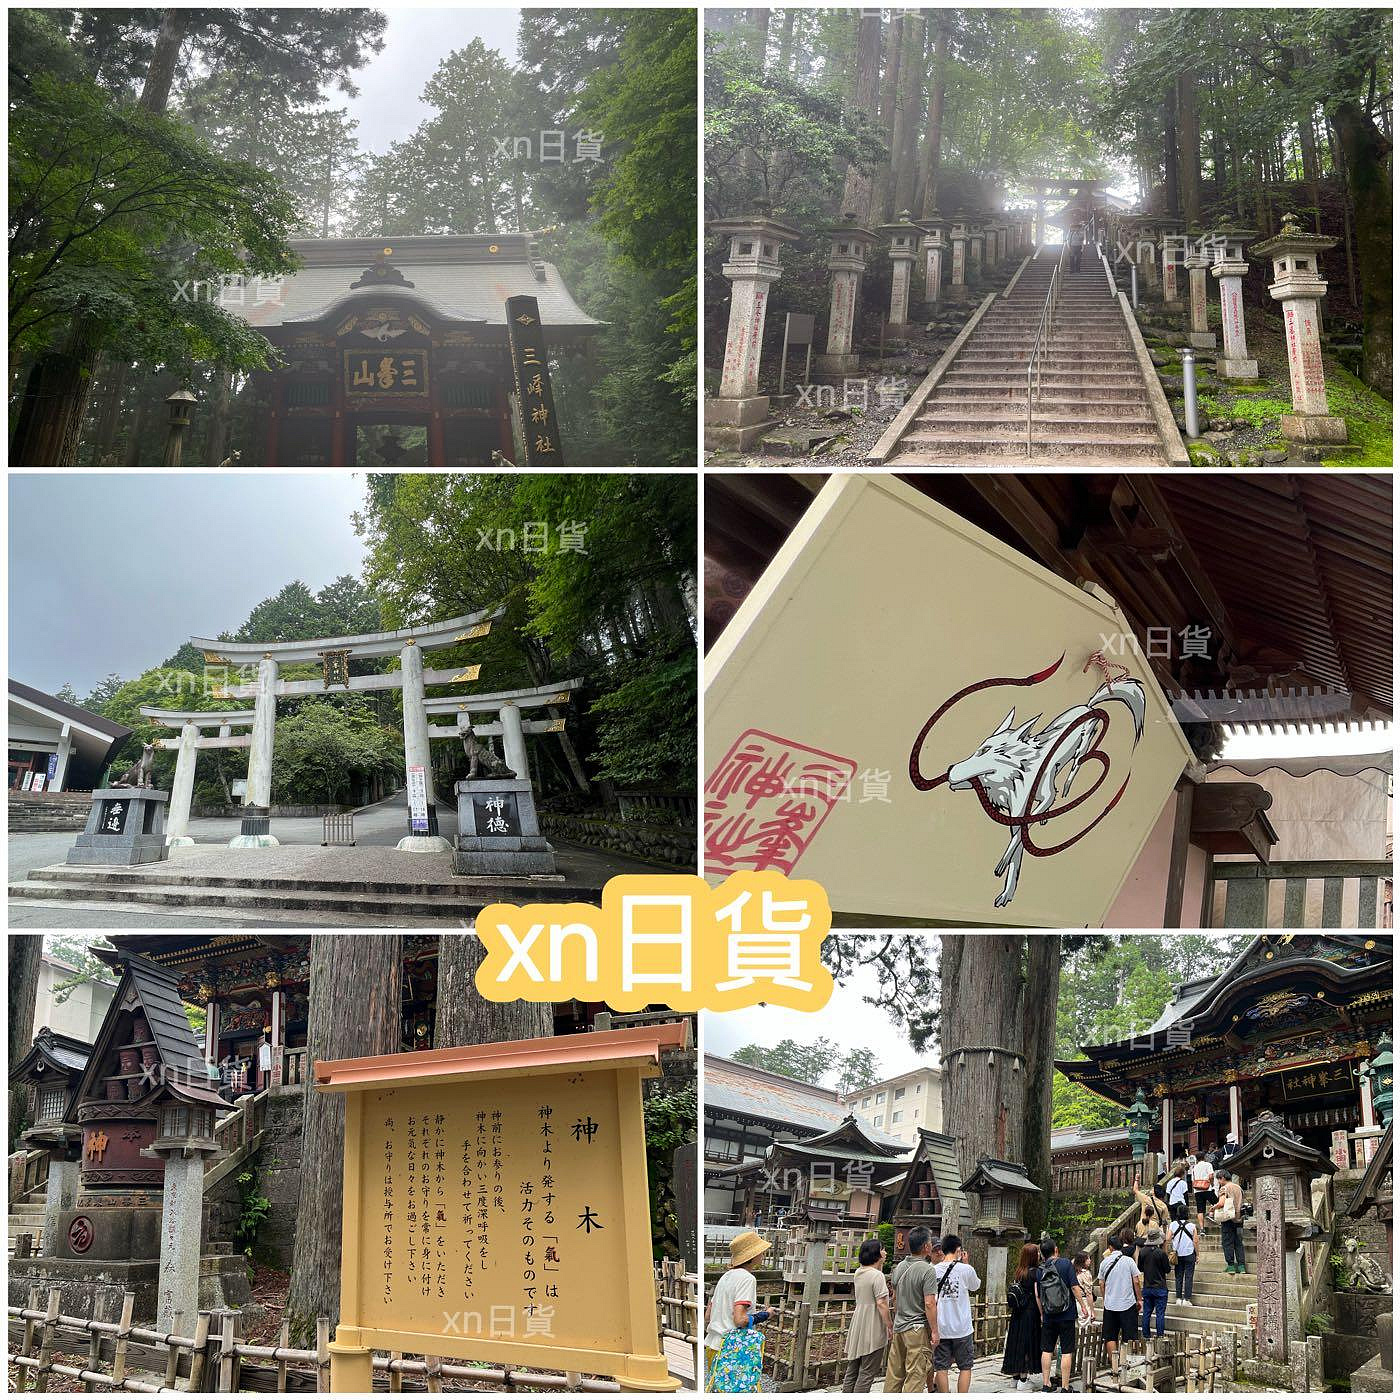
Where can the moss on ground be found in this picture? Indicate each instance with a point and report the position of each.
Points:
(1370, 421)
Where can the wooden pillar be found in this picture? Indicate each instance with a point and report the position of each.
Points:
(1167, 1130)
(1181, 847)
(272, 446)
(437, 449)
(279, 1016)
(211, 1031)
(1235, 1113)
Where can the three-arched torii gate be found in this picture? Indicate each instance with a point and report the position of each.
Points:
(334, 655)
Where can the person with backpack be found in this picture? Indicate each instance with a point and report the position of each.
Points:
(1181, 1239)
(1203, 1184)
(1156, 1268)
(1057, 1292)
(1177, 1189)
(1021, 1357)
(1229, 1215)
(957, 1281)
(1120, 1280)
(915, 1316)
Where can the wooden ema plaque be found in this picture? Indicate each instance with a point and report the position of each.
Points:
(496, 1207)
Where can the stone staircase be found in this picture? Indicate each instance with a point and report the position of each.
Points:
(1092, 407)
(49, 811)
(1218, 1298)
(27, 1218)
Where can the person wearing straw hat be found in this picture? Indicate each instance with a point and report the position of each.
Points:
(737, 1286)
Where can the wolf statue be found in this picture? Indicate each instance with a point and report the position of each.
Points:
(481, 761)
(139, 774)
(1019, 773)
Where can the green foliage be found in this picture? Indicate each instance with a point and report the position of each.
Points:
(252, 1211)
(670, 1121)
(1369, 418)
(885, 1233)
(114, 208)
(323, 751)
(1072, 1104)
(76, 951)
(813, 1062)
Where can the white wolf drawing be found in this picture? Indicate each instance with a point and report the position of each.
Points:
(1010, 769)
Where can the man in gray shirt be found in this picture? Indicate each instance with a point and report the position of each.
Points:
(915, 1317)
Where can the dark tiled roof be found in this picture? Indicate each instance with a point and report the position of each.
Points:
(101, 723)
(1010, 1175)
(161, 1005)
(66, 1051)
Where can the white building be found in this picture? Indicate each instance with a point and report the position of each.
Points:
(80, 1013)
(55, 746)
(902, 1105)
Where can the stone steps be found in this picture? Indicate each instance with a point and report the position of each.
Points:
(1064, 396)
(953, 448)
(1086, 419)
(26, 1219)
(373, 902)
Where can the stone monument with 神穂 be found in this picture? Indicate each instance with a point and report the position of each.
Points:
(498, 829)
(126, 822)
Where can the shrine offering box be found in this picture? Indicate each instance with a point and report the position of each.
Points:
(931, 724)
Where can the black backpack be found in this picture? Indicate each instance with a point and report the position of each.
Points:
(1055, 1296)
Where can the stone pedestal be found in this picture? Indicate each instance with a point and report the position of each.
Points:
(932, 247)
(125, 826)
(1376, 1376)
(957, 268)
(752, 269)
(255, 829)
(904, 248)
(850, 247)
(498, 831)
(1299, 288)
(1200, 334)
(1233, 361)
(62, 1193)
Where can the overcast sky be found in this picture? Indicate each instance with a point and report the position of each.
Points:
(112, 571)
(415, 42)
(845, 1019)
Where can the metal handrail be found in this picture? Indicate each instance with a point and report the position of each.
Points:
(1043, 329)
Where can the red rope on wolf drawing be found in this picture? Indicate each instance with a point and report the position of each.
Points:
(1024, 821)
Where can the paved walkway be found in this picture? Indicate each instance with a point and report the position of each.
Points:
(986, 1377)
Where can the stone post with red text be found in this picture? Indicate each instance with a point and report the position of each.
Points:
(1229, 268)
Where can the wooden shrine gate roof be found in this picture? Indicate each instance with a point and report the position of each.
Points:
(454, 278)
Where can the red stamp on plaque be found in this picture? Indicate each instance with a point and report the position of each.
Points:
(766, 800)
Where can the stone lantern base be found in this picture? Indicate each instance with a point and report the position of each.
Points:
(837, 365)
(1237, 369)
(1313, 427)
(734, 425)
(1202, 340)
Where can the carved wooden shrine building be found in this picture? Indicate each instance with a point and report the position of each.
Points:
(384, 336)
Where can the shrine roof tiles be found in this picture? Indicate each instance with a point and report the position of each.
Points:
(64, 1051)
(454, 279)
(165, 1013)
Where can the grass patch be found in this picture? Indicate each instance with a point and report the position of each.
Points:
(1370, 421)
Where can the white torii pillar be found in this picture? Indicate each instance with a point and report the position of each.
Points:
(259, 793)
(177, 816)
(417, 752)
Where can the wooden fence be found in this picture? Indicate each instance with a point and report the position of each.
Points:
(215, 1360)
(1100, 1175)
(1238, 893)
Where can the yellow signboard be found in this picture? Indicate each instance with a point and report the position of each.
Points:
(496, 1207)
(930, 724)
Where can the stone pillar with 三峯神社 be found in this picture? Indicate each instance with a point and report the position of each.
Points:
(738, 417)
(1298, 287)
(850, 247)
(933, 246)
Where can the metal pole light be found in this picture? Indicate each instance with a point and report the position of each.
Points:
(1188, 389)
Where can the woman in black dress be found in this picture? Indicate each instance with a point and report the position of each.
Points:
(1022, 1358)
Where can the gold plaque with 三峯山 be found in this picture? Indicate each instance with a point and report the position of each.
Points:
(496, 1206)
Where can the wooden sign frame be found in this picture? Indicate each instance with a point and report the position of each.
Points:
(627, 1057)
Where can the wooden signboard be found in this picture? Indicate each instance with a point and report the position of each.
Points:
(533, 392)
(400, 373)
(931, 724)
(496, 1206)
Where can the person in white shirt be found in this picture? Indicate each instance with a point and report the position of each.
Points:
(1120, 1283)
(736, 1285)
(1177, 1189)
(1203, 1184)
(1181, 1238)
(955, 1280)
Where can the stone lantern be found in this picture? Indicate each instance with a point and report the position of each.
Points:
(933, 245)
(1140, 1120)
(999, 1220)
(1298, 285)
(1172, 243)
(1280, 1166)
(739, 416)
(1200, 335)
(1379, 1072)
(1229, 268)
(975, 243)
(184, 1139)
(904, 248)
(957, 242)
(179, 403)
(850, 247)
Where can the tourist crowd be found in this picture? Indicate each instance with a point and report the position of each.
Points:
(915, 1327)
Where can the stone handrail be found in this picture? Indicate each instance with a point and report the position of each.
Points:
(28, 1171)
(293, 1065)
(1098, 1239)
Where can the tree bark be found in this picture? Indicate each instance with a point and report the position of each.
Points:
(855, 197)
(889, 104)
(1171, 166)
(26, 951)
(1188, 147)
(785, 43)
(355, 1009)
(1000, 994)
(216, 447)
(155, 96)
(464, 1016)
(114, 373)
(933, 140)
(1364, 154)
(902, 189)
(50, 419)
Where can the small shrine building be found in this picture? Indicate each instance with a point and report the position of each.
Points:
(396, 350)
